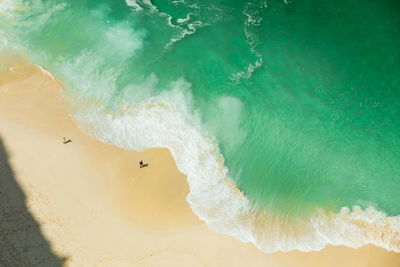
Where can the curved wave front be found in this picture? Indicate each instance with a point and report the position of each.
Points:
(213, 195)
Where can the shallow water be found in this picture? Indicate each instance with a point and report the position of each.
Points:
(298, 100)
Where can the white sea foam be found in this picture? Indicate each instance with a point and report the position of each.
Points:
(176, 2)
(134, 4)
(154, 10)
(253, 20)
(192, 28)
(45, 72)
(139, 4)
(149, 4)
(184, 20)
(182, 26)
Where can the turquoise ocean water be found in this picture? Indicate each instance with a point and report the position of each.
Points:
(295, 103)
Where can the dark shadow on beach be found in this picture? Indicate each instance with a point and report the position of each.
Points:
(21, 241)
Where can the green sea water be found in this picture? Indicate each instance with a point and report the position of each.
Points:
(301, 97)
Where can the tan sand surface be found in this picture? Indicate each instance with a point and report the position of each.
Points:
(96, 207)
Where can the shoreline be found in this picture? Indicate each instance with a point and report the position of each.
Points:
(139, 214)
(213, 196)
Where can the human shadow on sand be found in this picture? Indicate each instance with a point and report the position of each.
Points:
(22, 242)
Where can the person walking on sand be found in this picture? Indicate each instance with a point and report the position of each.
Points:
(65, 141)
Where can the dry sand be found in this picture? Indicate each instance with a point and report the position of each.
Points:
(96, 207)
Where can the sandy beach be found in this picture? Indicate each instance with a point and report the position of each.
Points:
(96, 207)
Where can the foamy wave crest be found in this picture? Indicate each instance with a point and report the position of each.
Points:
(191, 29)
(166, 120)
(134, 4)
(140, 5)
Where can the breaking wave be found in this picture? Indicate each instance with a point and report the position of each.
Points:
(167, 120)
